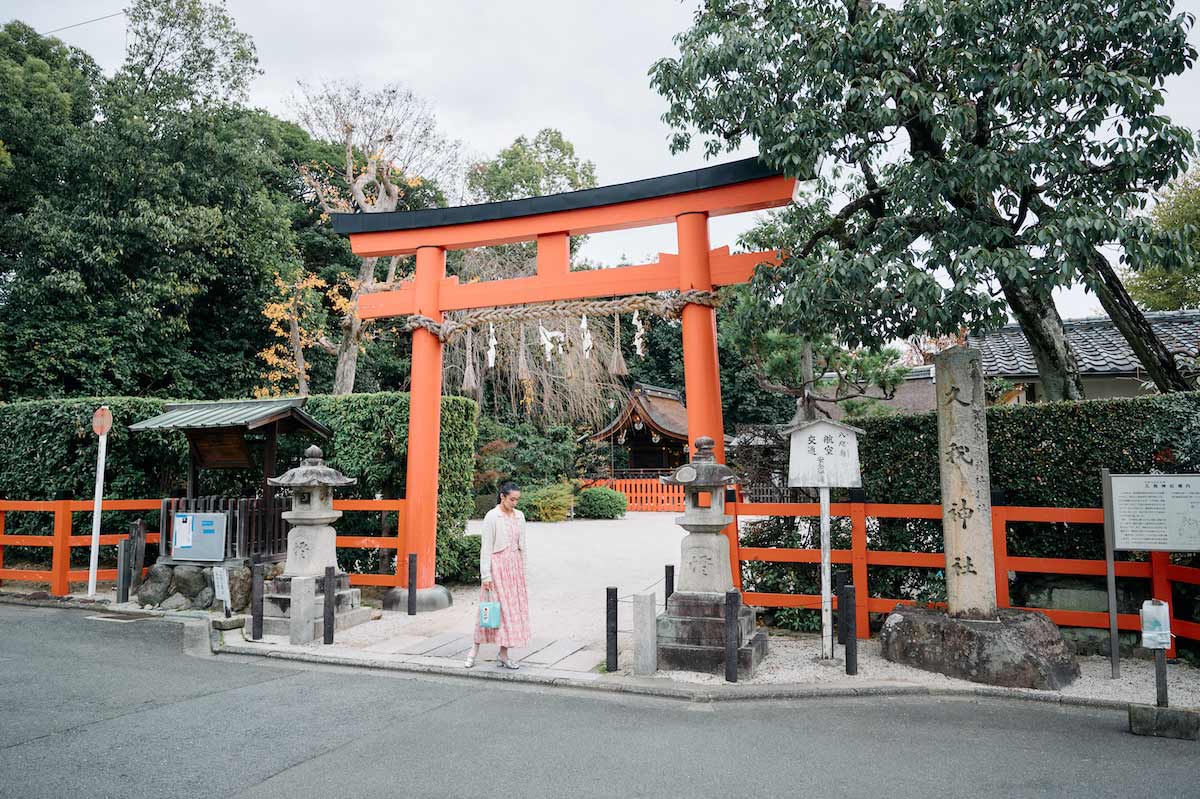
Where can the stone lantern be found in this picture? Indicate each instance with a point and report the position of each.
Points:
(691, 634)
(312, 540)
(293, 602)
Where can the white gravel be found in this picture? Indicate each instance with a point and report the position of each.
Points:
(794, 660)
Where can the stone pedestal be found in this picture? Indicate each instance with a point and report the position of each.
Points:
(691, 635)
(1015, 649)
(704, 563)
(279, 604)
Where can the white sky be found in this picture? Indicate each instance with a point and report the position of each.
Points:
(497, 70)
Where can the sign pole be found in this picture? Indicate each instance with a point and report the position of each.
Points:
(826, 602)
(1110, 571)
(101, 424)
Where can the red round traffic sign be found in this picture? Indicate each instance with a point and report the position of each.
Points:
(102, 420)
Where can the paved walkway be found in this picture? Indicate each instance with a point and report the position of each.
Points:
(570, 566)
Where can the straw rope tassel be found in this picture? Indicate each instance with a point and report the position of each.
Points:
(616, 364)
(470, 383)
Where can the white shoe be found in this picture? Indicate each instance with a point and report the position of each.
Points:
(470, 662)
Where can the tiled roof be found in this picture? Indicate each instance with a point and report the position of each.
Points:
(1099, 346)
(250, 414)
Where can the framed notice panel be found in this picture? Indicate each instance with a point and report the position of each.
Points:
(1146, 512)
(1156, 512)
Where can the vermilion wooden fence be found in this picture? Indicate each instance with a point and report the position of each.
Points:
(646, 493)
(61, 541)
(1159, 570)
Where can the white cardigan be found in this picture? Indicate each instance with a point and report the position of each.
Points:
(495, 538)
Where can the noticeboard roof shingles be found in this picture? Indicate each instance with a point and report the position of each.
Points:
(246, 414)
(695, 180)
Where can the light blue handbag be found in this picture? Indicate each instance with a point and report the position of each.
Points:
(489, 612)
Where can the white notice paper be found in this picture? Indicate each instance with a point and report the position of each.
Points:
(183, 531)
(1156, 512)
(221, 584)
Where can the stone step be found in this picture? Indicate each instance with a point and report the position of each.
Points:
(275, 625)
(703, 630)
(280, 604)
(283, 585)
(711, 659)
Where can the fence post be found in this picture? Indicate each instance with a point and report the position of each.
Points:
(412, 584)
(610, 625)
(851, 631)
(1160, 586)
(858, 567)
(733, 603)
(1, 537)
(60, 564)
(1000, 554)
(123, 547)
(668, 577)
(330, 599)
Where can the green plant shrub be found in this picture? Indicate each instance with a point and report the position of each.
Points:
(550, 503)
(600, 503)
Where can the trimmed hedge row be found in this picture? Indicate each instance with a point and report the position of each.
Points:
(48, 446)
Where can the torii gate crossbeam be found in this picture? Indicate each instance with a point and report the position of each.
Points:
(688, 199)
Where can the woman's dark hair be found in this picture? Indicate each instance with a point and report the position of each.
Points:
(506, 488)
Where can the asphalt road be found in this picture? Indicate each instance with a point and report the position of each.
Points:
(99, 709)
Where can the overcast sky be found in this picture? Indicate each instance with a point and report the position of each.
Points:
(495, 71)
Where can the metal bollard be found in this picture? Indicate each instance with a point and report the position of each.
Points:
(610, 663)
(733, 604)
(669, 582)
(851, 630)
(840, 578)
(123, 570)
(256, 602)
(330, 600)
(412, 584)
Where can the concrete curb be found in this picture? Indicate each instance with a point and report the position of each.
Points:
(699, 694)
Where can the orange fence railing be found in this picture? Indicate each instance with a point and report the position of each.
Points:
(645, 493)
(61, 541)
(1158, 569)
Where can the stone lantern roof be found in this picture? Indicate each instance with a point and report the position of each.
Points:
(312, 471)
(703, 471)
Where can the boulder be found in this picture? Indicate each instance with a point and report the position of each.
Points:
(176, 602)
(1018, 649)
(189, 580)
(157, 585)
(204, 599)
(239, 587)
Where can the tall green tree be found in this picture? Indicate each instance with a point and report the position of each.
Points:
(1159, 289)
(545, 164)
(978, 152)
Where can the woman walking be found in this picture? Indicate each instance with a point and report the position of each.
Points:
(502, 574)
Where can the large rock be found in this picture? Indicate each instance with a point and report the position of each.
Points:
(204, 599)
(1020, 649)
(176, 602)
(239, 587)
(157, 585)
(189, 580)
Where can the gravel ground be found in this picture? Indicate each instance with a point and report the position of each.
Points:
(794, 660)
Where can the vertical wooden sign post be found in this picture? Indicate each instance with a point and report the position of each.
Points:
(824, 455)
(101, 424)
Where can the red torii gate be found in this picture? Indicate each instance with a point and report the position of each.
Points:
(687, 198)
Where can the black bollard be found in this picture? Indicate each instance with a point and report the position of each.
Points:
(733, 604)
(669, 582)
(412, 584)
(851, 630)
(610, 663)
(840, 578)
(123, 570)
(256, 602)
(330, 599)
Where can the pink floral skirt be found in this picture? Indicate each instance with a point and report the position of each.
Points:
(508, 584)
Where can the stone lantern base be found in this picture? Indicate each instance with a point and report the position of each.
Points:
(691, 635)
(279, 605)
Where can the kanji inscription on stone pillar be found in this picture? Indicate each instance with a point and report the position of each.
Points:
(966, 483)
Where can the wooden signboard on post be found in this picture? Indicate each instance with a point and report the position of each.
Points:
(824, 455)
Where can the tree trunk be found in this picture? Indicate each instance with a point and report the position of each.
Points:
(1129, 319)
(298, 353)
(1043, 328)
(352, 332)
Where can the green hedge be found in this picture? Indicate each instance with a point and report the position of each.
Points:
(550, 503)
(600, 503)
(48, 446)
